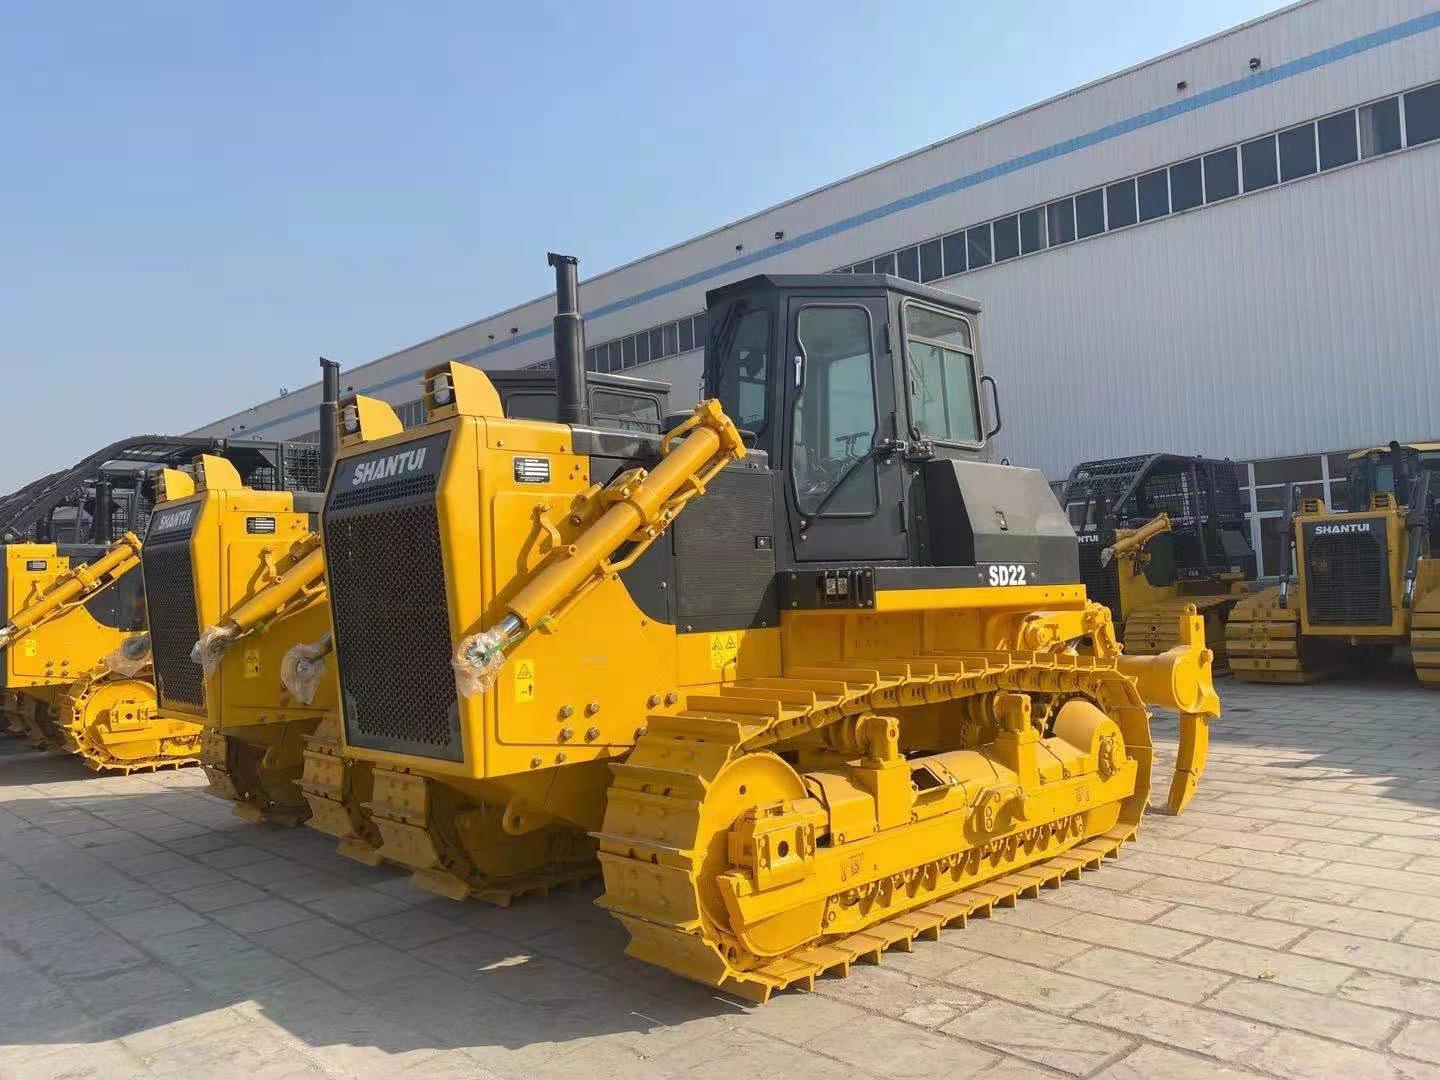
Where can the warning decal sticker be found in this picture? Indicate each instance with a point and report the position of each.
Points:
(724, 647)
(525, 681)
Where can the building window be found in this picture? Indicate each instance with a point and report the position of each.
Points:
(930, 265)
(1032, 231)
(1380, 128)
(671, 339)
(1422, 115)
(1222, 175)
(1153, 190)
(642, 349)
(866, 267)
(687, 335)
(1090, 213)
(1120, 204)
(627, 358)
(908, 261)
(977, 242)
(1186, 186)
(1060, 217)
(1258, 161)
(954, 253)
(885, 264)
(701, 325)
(1297, 152)
(657, 344)
(1339, 144)
(1007, 238)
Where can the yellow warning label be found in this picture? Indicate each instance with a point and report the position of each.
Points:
(525, 681)
(723, 649)
(32, 647)
(252, 663)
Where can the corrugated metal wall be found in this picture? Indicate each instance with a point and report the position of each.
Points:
(1289, 320)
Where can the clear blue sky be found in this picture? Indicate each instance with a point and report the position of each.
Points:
(197, 199)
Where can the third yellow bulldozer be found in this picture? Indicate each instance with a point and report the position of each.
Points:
(1367, 578)
(808, 673)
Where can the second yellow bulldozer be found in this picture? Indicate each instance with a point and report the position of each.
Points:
(1159, 533)
(808, 673)
(1366, 579)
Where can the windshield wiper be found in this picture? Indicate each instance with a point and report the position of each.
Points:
(850, 471)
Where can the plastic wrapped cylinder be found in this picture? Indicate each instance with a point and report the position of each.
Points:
(477, 661)
(130, 657)
(211, 646)
(303, 667)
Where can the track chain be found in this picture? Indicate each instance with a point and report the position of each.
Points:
(652, 855)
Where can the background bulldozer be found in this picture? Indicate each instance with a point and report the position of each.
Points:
(1366, 578)
(247, 566)
(76, 666)
(1159, 533)
(808, 687)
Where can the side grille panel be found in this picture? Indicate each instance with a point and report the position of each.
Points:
(1347, 580)
(1102, 583)
(174, 626)
(391, 619)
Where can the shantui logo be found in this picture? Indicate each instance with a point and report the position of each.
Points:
(173, 519)
(407, 461)
(1343, 528)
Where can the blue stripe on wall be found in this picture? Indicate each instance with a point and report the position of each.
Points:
(1250, 83)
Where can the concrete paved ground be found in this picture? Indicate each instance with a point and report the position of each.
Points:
(1287, 926)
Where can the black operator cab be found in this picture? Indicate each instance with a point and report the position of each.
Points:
(866, 395)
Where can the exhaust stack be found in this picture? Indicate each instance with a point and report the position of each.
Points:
(104, 516)
(569, 341)
(329, 404)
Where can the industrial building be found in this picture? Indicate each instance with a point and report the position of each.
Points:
(1230, 250)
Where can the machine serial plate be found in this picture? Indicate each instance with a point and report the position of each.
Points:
(532, 470)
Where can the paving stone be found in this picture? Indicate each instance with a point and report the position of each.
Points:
(1368, 953)
(1419, 1039)
(1201, 1030)
(888, 1048)
(1016, 943)
(1352, 920)
(1285, 1006)
(1360, 856)
(1305, 1057)
(1148, 974)
(260, 915)
(1201, 893)
(1154, 1062)
(308, 938)
(1061, 1044)
(364, 965)
(1136, 937)
(1027, 985)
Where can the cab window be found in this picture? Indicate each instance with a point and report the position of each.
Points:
(940, 356)
(628, 412)
(532, 406)
(835, 417)
(745, 370)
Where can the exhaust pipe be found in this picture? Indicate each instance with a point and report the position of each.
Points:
(569, 341)
(329, 405)
(100, 523)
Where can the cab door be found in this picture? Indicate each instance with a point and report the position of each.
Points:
(844, 485)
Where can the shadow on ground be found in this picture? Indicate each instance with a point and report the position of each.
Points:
(137, 909)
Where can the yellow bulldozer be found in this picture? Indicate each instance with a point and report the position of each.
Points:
(1366, 578)
(77, 672)
(1159, 533)
(247, 566)
(807, 673)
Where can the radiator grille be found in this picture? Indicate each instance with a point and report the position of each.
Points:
(1347, 580)
(391, 621)
(1102, 583)
(174, 627)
